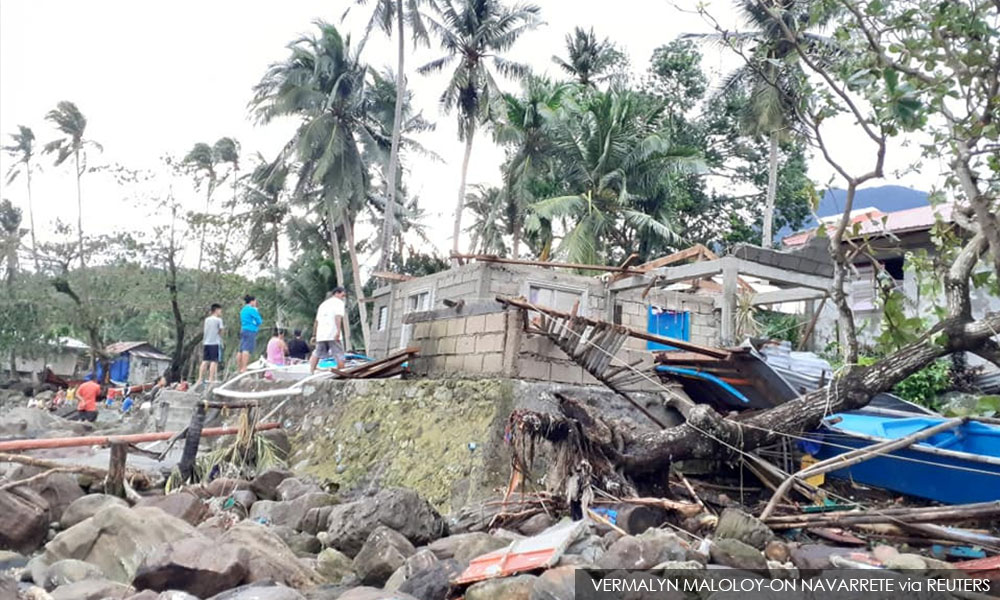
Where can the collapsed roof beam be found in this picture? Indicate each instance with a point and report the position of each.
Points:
(668, 275)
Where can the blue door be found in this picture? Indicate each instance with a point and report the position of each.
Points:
(668, 323)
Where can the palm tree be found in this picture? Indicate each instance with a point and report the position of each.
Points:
(202, 161)
(385, 14)
(589, 60)
(22, 150)
(322, 83)
(614, 152)
(475, 33)
(227, 150)
(493, 217)
(525, 128)
(265, 195)
(72, 124)
(772, 78)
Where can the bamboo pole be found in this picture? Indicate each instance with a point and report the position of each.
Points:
(105, 440)
(856, 456)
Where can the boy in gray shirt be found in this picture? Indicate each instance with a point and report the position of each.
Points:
(212, 344)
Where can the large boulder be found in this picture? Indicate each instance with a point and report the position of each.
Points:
(555, 584)
(58, 489)
(466, 546)
(643, 551)
(316, 519)
(197, 565)
(183, 505)
(736, 554)
(93, 589)
(23, 422)
(433, 582)
(270, 558)
(738, 525)
(225, 486)
(260, 591)
(384, 551)
(334, 565)
(8, 587)
(24, 519)
(65, 572)
(87, 506)
(402, 510)
(265, 485)
(370, 593)
(11, 560)
(508, 588)
(419, 561)
(293, 487)
(117, 539)
(168, 595)
(291, 512)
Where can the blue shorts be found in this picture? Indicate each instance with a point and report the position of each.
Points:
(248, 339)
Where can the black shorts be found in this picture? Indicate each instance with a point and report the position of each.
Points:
(211, 353)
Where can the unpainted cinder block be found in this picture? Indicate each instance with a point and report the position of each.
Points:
(566, 373)
(495, 322)
(490, 342)
(465, 344)
(456, 326)
(475, 324)
(529, 368)
(472, 363)
(493, 362)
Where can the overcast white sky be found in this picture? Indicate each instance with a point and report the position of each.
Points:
(153, 78)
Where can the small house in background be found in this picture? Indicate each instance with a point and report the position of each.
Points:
(65, 357)
(136, 363)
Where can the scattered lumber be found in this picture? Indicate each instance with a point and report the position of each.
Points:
(107, 440)
(386, 367)
(903, 516)
(542, 263)
(390, 276)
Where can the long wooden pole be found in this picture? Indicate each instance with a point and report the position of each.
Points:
(545, 263)
(105, 440)
(856, 456)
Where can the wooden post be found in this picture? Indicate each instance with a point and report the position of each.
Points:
(114, 485)
(730, 279)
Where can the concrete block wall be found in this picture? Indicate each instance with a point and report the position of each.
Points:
(467, 345)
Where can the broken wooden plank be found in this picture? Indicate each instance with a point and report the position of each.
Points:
(390, 276)
(541, 263)
(632, 332)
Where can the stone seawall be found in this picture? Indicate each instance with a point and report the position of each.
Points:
(441, 437)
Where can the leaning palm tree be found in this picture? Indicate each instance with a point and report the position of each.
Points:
(22, 150)
(385, 14)
(525, 129)
(492, 219)
(227, 150)
(322, 84)
(772, 78)
(202, 162)
(265, 197)
(72, 124)
(475, 33)
(614, 150)
(588, 59)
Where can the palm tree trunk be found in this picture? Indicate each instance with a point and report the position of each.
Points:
(277, 271)
(517, 235)
(772, 190)
(31, 219)
(461, 188)
(397, 127)
(338, 267)
(229, 225)
(356, 272)
(79, 208)
(204, 229)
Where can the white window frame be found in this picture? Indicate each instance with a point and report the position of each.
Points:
(381, 317)
(561, 287)
(406, 331)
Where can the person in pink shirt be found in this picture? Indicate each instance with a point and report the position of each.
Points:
(277, 349)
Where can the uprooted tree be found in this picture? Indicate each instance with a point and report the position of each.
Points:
(908, 68)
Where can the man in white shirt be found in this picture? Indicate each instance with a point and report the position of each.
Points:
(327, 329)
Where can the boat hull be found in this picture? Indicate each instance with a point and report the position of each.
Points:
(952, 476)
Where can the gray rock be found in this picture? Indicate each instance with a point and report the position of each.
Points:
(260, 591)
(8, 587)
(384, 551)
(398, 509)
(117, 539)
(93, 589)
(183, 505)
(168, 595)
(423, 559)
(333, 565)
(434, 582)
(265, 485)
(316, 519)
(11, 560)
(198, 565)
(777, 551)
(370, 593)
(245, 498)
(508, 588)
(270, 558)
(466, 546)
(291, 512)
(555, 584)
(24, 519)
(643, 551)
(65, 572)
(225, 486)
(293, 487)
(58, 489)
(736, 554)
(816, 557)
(588, 548)
(737, 525)
(536, 524)
(87, 506)
(906, 562)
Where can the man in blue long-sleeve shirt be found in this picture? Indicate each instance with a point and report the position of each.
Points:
(250, 321)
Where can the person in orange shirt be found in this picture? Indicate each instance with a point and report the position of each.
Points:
(86, 407)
